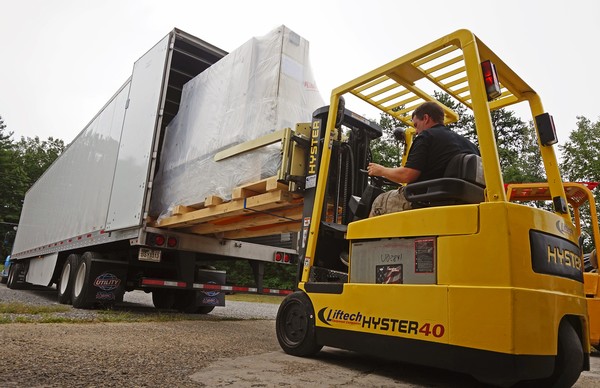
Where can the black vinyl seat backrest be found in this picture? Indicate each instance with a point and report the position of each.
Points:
(463, 183)
(467, 167)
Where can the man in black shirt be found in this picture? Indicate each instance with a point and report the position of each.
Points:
(430, 153)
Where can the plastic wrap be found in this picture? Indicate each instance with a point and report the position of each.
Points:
(263, 86)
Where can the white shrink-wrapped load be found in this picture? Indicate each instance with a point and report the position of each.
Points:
(261, 87)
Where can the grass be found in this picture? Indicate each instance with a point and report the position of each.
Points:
(26, 313)
(23, 308)
(257, 298)
(16, 312)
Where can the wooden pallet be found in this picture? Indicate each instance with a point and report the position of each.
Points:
(256, 209)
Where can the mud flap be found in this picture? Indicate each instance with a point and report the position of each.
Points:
(209, 297)
(107, 282)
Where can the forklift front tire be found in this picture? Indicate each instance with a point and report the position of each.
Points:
(295, 326)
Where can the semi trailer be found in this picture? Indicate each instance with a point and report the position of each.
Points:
(99, 221)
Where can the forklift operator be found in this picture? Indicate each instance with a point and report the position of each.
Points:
(431, 151)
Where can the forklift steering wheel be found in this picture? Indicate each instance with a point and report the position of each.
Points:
(379, 181)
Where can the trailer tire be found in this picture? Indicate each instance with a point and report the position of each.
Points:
(185, 301)
(295, 326)
(81, 281)
(163, 299)
(204, 309)
(12, 282)
(65, 282)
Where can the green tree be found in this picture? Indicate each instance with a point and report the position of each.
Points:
(465, 125)
(580, 162)
(387, 150)
(581, 153)
(520, 159)
(37, 155)
(12, 189)
(21, 164)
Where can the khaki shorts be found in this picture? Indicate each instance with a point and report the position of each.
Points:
(390, 202)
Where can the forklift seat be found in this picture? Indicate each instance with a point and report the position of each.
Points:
(463, 183)
(360, 207)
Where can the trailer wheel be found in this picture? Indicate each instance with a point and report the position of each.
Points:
(295, 326)
(12, 282)
(163, 298)
(65, 282)
(81, 281)
(185, 301)
(204, 309)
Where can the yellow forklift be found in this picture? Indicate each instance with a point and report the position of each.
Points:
(466, 281)
(578, 194)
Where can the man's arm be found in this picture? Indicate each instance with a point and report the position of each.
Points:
(395, 174)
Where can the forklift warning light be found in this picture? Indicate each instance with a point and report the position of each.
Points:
(490, 78)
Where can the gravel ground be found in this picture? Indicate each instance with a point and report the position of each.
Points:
(233, 346)
(136, 302)
(140, 354)
(154, 354)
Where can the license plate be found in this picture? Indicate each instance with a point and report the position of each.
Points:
(146, 254)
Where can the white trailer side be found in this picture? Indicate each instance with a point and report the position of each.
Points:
(100, 183)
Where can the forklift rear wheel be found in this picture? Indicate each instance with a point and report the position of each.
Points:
(65, 283)
(295, 326)
(569, 360)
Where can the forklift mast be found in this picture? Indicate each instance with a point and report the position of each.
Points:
(349, 154)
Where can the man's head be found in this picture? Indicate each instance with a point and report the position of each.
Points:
(427, 115)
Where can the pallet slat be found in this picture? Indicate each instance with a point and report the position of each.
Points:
(249, 220)
(259, 202)
(256, 209)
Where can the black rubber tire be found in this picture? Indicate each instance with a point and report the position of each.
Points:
(569, 360)
(81, 281)
(204, 309)
(65, 282)
(10, 280)
(295, 326)
(12, 276)
(185, 301)
(163, 298)
(182, 300)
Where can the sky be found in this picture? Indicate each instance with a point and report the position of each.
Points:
(62, 60)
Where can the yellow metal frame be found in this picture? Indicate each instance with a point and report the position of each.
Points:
(577, 195)
(453, 65)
